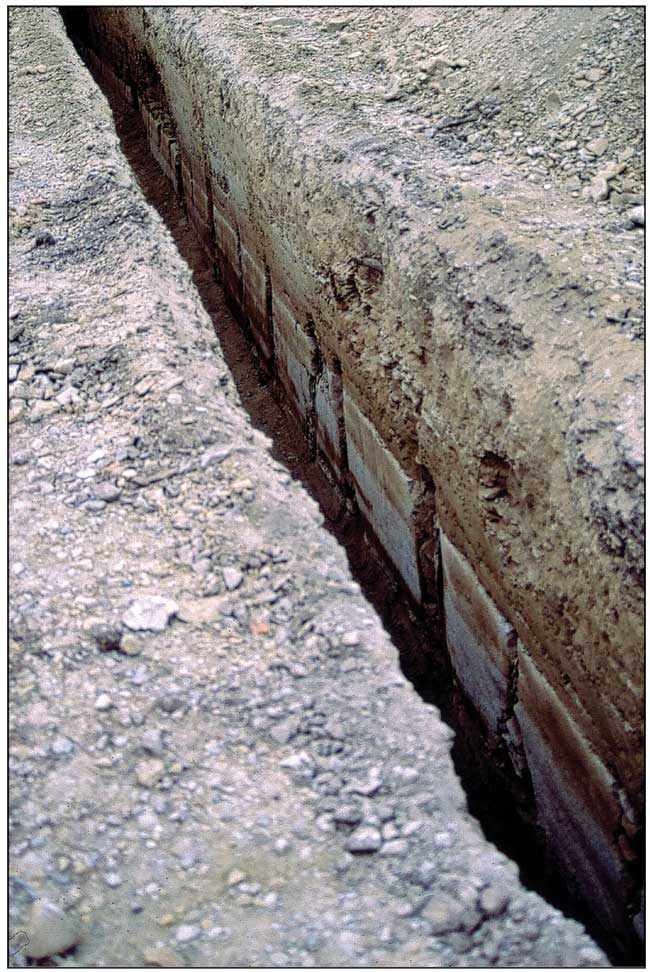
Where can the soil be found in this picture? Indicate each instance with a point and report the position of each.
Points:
(485, 306)
(188, 795)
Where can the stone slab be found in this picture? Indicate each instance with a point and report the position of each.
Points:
(575, 794)
(295, 357)
(482, 643)
(385, 494)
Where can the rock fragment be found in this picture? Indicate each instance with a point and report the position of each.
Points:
(162, 957)
(130, 645)
(286, 730)
(107, 636)
(445, 914)
(62, 746)
(150, 613)
(201, 610)
(152, 742)
(598, 190)
(232, 578)
(149, 772)
(50, 930)
(364, 840)
(108, 492)
(493, 901)
(235, 877)
(637, 215)
(598, 146)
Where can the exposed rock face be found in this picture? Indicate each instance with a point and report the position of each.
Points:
(432, 326)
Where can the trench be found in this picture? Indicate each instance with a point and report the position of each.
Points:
(501, 802)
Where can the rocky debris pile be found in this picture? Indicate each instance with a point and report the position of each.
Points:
(214, 760)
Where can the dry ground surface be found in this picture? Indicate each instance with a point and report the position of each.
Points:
(500, 349)
(214, 757)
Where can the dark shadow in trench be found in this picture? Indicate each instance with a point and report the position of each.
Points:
(488, 786)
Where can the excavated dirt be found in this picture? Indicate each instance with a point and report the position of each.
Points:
(505, 351)
(533, 313)
(483, 307)
(511, 825)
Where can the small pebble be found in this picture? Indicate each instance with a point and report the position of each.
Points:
(235, 877)
(152, 742)
(395, 848)
(130, 645)
(364, 840)
(149, 772)
(162, 957)
(107, 492)
(232, 578)
(637, 215)
(281, 846)
(493, 901)
(62, 746)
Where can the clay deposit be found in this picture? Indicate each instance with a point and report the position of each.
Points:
(451, 307)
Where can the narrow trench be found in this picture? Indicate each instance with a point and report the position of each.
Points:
(501, 804)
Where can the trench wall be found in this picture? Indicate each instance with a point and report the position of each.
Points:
(409, 417)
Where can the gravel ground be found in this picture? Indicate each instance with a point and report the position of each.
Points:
(559, 93)
(214, 758)
(506, 325)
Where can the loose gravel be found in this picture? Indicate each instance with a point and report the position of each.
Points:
(214, 758)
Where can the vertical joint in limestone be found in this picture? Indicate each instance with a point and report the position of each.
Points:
(180, 187)
(240, 284)
(269, 297)
(510, 742)
(314, 376)
(344, 465)
(630, 839)
(210, 241)
(425, 527)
